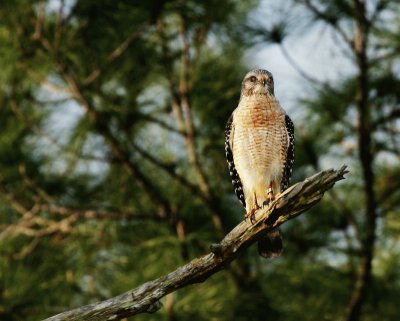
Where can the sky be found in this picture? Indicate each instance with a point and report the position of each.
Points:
(314, 48)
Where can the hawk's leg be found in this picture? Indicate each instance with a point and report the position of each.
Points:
(270, 196)
(251, 214)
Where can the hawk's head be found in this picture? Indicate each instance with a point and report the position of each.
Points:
(258, 82)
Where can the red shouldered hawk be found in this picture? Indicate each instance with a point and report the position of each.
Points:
(259, 146)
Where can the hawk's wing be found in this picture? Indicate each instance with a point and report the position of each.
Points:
(289, 160)
(237, 184)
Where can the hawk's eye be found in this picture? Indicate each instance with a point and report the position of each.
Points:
(253, 78)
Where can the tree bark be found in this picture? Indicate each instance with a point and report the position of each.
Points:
(364, 275)
(146, 298)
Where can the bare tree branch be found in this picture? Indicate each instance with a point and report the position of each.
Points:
(184, 92)
(116, 149)
(115, 54)
(146, 298)
(333, 23)
(323, 84)
(168, 168)
(161, 123)
(181, 108)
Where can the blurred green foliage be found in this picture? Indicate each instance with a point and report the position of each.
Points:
(112, 167)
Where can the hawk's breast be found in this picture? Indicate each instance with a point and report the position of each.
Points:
(258, 142)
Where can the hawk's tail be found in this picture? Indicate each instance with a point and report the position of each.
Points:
(271, 245)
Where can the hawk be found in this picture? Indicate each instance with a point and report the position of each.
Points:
(259, 147)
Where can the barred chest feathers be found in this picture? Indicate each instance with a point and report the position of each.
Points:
(259, 144)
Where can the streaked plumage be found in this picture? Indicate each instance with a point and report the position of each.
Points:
(259, 145)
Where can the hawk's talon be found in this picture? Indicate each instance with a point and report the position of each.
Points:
(251, 215)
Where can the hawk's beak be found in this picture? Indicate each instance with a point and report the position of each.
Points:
(263, 80)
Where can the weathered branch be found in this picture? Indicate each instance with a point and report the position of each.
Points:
(146, 298)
